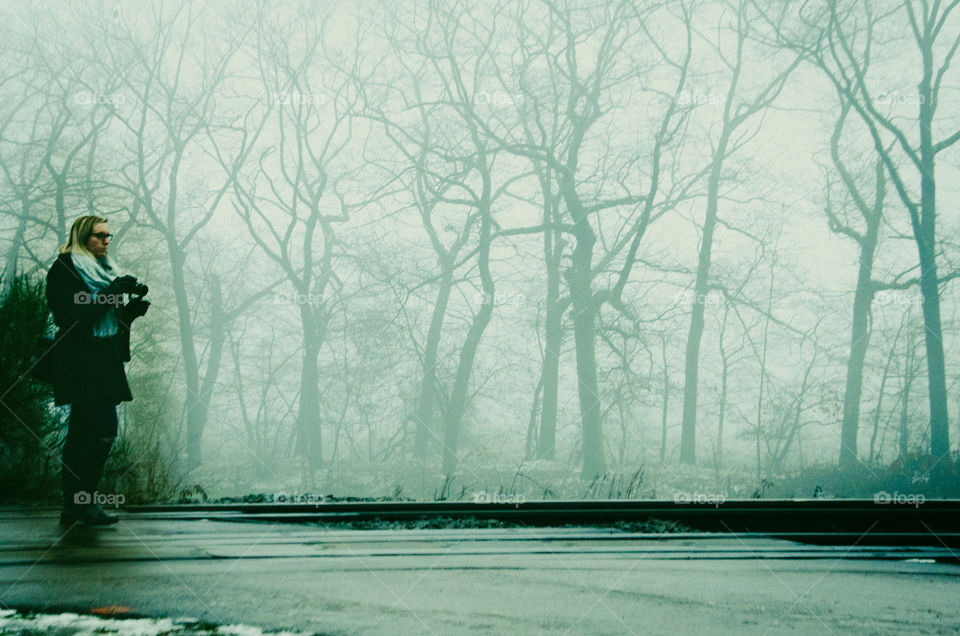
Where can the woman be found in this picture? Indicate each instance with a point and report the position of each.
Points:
(85, 292)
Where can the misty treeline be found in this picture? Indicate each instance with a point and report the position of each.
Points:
(457, 235)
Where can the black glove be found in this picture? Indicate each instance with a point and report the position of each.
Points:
(121, 285)
(133, 310)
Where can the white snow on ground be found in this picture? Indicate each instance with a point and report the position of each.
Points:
(68, 624)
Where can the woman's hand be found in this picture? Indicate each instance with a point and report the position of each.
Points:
(133, 310)
(121, 285)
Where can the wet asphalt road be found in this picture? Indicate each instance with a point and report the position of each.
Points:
(519, 581)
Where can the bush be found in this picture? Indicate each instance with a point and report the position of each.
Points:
(31, 428)
(915, 473)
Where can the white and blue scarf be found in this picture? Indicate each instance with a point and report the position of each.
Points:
(97, 273)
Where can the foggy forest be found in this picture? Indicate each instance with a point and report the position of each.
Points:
(527, 249)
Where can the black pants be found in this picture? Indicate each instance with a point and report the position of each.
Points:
(90, 434)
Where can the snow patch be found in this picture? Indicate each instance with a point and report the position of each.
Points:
(70, 624)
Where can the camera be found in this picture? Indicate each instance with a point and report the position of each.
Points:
(139, 290)
(126, 284)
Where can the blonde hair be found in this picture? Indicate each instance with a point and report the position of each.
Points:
(80, 233)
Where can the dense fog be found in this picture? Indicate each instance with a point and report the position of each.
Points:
(502, 251)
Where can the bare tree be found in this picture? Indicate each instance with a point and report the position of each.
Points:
(452, 165)
(289, 201)
(559, 74)
(737, 111)
(871, 214)
(840, 38)
(173, 85)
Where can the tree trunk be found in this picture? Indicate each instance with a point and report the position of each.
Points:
(688, 429)
(926, 246)
(426, 402)
(194, 412)
(553, 335)
(532, 442)
(553, 325)
(666, 400)
(458, 398)
(874, 451)
(724, 370)
(763, 371)
(584, 332)
(308, 415)
(939, 432)
(200, 410)
(859, 340)
(905, 399)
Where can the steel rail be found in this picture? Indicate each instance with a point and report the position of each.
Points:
(928, 522)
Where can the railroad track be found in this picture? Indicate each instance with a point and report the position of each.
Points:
(866, 522)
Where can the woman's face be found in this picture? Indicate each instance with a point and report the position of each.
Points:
(99, 240)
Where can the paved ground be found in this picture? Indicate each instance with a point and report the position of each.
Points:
(518, 581)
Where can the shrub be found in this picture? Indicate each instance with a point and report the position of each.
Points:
(31, 428)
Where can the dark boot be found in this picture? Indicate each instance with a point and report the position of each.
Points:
(71, 471)
(81, 470)
(88, 515)
(90, 436)
(95, 515)
(98, 450)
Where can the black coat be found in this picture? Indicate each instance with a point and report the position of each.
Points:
(86, 369)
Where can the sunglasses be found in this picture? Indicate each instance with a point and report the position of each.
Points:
(103, 236)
